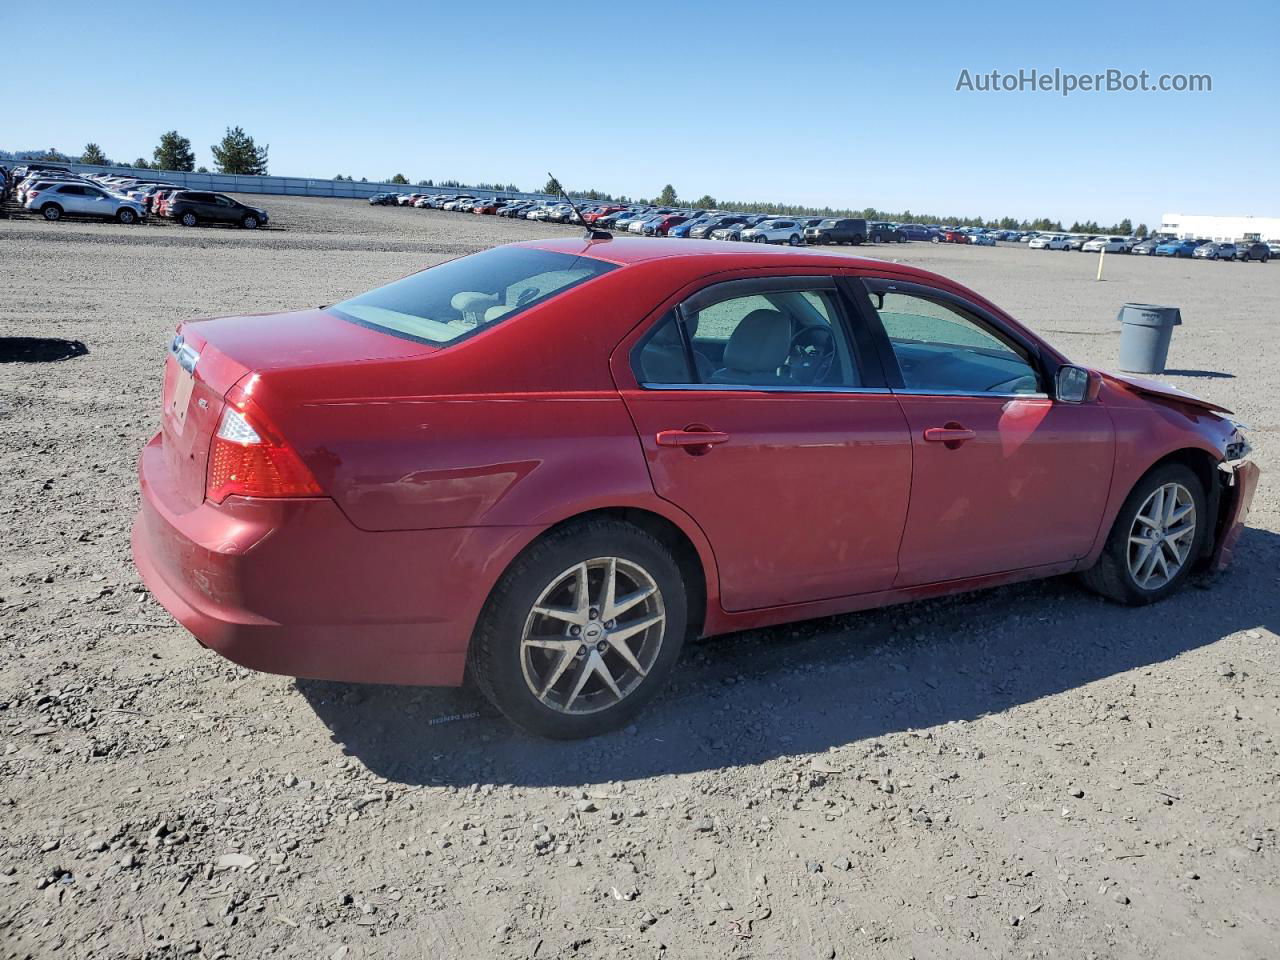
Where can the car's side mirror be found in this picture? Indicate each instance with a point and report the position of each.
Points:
(1077, 384)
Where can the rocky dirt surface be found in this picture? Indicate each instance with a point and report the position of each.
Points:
(1025, 772)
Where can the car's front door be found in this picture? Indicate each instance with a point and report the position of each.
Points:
(762, 418)
(98, 203)
(1004, 477)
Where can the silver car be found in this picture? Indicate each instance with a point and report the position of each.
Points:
(82, 199)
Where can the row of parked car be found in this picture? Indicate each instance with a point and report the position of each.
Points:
(1159, 245)
(55, 192)
(657, 221)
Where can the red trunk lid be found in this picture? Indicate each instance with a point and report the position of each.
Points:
(208, 357)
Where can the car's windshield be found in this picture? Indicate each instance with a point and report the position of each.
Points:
(446, 302)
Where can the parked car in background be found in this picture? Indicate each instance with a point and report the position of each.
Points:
(704, 230)
(1076, 241)
(1048, 241)
(950, 236)
(733, 232)
(1178, 248)
(880, 231)
(1253, 250)
(1215, 251)
(837, 230)
(194, 207)
(982, 239)
(1146, 247)
(1274, 247)
(53, 201)
(782, 230)
(382, 199)
(918, 231)
(742, 472)
(1109, 244)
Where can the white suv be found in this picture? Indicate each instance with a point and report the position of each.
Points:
(1110, 244)
(775, 231)
(82, 199)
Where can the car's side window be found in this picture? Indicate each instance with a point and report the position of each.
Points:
(788, 338)
(941, 347)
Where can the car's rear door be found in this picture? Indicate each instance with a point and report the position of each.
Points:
(765, 418)
(1004, 476)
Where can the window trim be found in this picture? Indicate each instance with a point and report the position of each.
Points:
(844, 324)
(860, 291)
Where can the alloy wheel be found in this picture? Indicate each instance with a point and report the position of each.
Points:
(1161, 536)
(593, 635)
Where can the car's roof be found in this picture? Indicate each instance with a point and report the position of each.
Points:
(631, 250)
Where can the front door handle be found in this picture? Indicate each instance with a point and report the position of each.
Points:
(952, 435)
(693, 440)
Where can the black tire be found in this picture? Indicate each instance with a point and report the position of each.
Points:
(935, 239)
(126, 216)
(1111, 577)
(250, 222)
(51, 212)
(794, 240)
(188, 219)
(495, 657)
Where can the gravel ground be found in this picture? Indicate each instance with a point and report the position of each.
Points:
(1025, 772)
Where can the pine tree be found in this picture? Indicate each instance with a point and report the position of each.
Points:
(667, 198)
(174, 153)
(93, 154)
(237, 153)
(399, 178)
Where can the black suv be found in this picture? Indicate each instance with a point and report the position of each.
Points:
(383, 199)
(881, 232)
(192, 207)
(837, 231)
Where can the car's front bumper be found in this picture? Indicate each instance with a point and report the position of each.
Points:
(1237, 497)
(291, 586)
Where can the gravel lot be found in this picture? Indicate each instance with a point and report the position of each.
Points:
(1024, 772)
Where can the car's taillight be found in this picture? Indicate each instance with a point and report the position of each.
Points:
(248, 458)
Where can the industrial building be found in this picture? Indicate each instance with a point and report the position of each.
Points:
(1190, 226)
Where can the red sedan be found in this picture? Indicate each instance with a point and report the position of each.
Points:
(547, 464)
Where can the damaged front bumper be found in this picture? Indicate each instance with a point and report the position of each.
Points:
(1239, 482)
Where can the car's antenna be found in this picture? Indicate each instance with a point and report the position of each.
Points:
(592, 232)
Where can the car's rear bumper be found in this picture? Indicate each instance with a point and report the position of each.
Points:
(291, 586)
(1237, 498)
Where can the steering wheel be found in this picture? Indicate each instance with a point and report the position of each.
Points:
(812, 354)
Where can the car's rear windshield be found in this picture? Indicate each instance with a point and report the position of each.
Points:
(445, 303)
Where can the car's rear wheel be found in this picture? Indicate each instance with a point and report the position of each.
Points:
(582, 630)
(126, 216)
(51, 212)
(1155, 540)
(188, 219)
(250, 222)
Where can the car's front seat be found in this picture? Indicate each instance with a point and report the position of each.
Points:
(757, 348)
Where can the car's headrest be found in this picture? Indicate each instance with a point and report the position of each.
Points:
(760, 343)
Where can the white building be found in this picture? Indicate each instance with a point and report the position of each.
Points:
(1194, 226)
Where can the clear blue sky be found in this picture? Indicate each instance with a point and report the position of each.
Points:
(821, 102)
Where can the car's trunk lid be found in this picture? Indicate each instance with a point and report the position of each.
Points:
(208, 357)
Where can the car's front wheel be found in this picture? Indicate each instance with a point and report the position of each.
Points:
(1155, 540)
(582, 630)
(250, 222)
(126, 216)
(794, 240)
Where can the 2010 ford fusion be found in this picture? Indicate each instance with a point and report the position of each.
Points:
(546, 465)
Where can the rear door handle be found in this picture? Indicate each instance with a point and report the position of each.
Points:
(690, 438)
(952, 435)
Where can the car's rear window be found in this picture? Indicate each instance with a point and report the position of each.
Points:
(445, 303)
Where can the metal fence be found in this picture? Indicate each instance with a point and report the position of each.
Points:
(284, 186)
